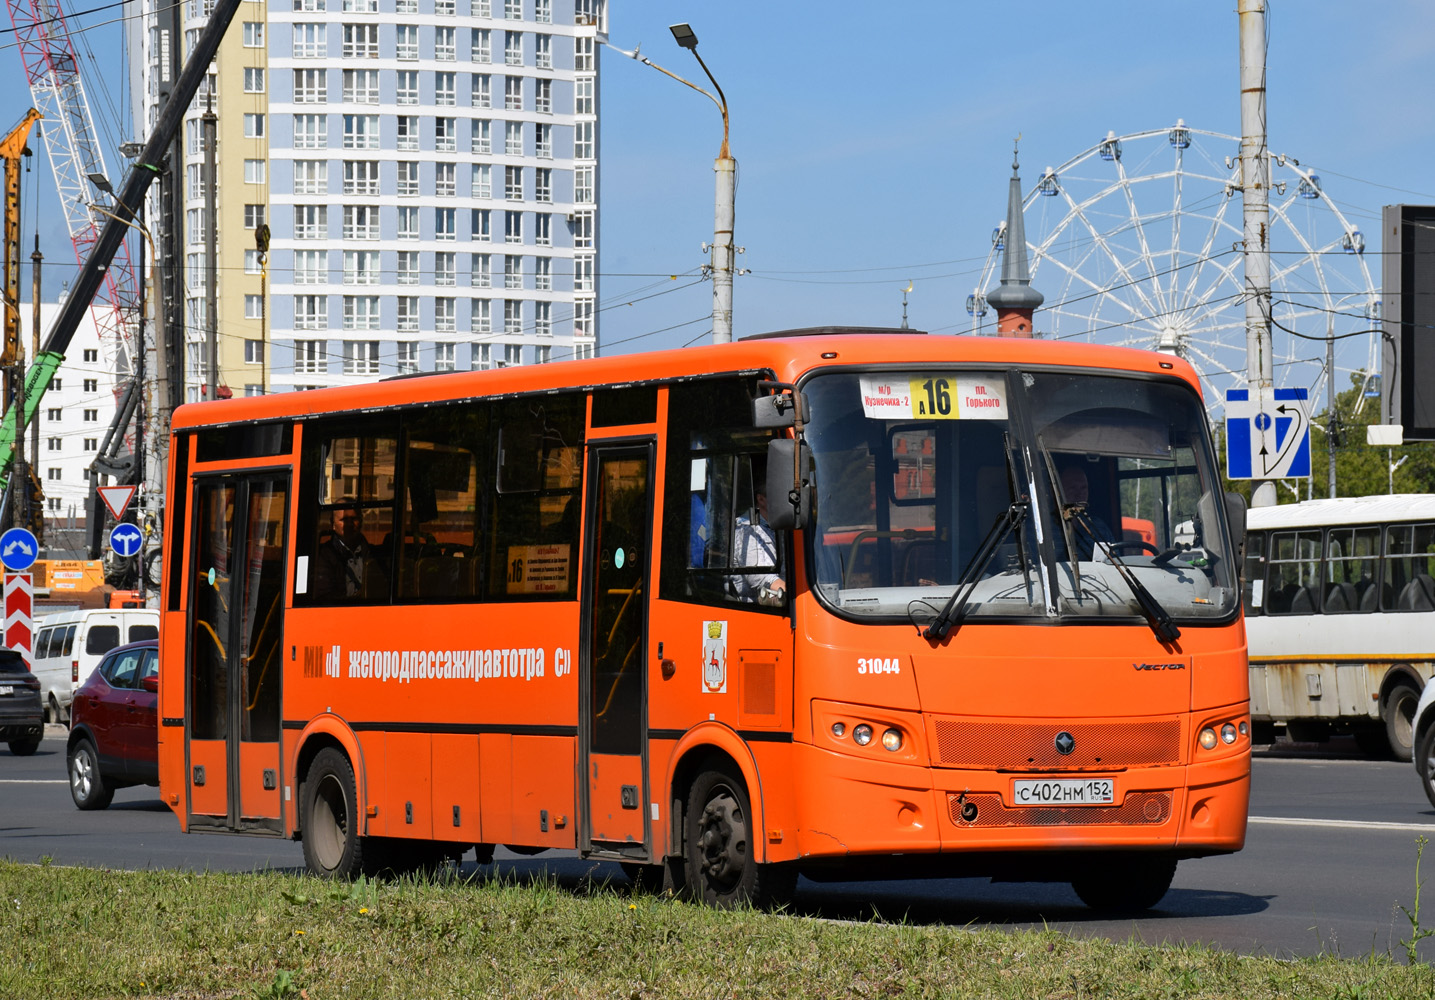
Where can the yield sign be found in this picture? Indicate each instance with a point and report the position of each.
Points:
(116, 498)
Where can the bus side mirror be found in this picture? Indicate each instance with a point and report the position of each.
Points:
(778, 410)
(1236, 520)
(789, 497)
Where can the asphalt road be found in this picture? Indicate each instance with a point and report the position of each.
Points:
(1329, 861)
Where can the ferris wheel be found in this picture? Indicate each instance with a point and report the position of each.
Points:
(1137, 241)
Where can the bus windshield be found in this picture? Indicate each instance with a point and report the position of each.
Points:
(1042, 493)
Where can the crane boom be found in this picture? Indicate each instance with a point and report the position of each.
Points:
(12, 147)
(128, 201)
(68, 131)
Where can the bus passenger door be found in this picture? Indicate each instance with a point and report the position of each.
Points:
(232, 718)
(613, 664)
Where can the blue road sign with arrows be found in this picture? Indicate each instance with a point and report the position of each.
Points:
(18, 549)
(126, 539)
(1267, 434)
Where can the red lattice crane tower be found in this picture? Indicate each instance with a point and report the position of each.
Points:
(53, 72)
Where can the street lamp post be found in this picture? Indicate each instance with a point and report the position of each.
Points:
(724, 203)
(726, 169)
(142, 409)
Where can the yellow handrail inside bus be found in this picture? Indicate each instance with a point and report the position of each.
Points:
(201, 623)
(263, 629)
(617, 620)
(613, 691)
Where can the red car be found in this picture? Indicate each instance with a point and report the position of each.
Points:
(114, 726)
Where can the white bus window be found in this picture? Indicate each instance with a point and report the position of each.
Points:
(1350, 563)
(1293, 575)
(1409, 560)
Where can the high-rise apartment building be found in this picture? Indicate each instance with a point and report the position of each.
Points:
(72, 422)
(428, 171)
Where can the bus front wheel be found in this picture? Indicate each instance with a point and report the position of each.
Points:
(1127, 884)
(332, 846)
(720, 866)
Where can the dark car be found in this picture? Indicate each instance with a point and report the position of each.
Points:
(22, 714)
(114, 728)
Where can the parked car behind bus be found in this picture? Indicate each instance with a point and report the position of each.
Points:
(114, 736)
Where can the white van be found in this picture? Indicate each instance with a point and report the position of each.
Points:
(70, 644)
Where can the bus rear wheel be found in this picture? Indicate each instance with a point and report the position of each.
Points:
(332, 846)
(1126, 884)
(1400, 720)
(721, 870)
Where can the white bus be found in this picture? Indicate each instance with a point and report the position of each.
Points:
(1340, 617)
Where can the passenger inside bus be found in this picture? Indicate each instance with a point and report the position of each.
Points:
(345, 565)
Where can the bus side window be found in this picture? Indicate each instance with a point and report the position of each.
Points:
(1408, 566)
(713, 523)
(442, 516)
(1350, 568)
(345, 511)
(532, 533)
(1293, 581)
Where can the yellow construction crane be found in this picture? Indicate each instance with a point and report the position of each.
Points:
(11, 149)
(12, 352)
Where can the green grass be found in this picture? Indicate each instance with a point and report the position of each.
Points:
(76, 932)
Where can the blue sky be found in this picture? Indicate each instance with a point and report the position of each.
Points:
(874, 143)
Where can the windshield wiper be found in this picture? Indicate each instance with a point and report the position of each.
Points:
(952, 612)
(1151, 608)
(1006, 522)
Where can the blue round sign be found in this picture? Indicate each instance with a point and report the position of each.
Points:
(18, 549)
(126, 539)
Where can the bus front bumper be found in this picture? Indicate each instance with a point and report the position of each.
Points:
(850, 806)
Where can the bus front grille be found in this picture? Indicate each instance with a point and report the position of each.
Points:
(1139, 809)
(1022, 746)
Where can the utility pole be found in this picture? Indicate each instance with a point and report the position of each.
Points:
(1255, 200)
(1330, 430)
(37, 260)
(211, 256)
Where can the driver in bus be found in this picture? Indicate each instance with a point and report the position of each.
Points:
(339, 564)
(755, 545)
(1075, 490)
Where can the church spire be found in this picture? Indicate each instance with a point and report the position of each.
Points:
(1014, 300)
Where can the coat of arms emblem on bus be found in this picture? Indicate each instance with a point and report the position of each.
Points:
(715, 657)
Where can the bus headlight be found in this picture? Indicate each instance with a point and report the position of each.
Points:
(1228, 733)
(862, 734)
(839, 729)
(1208, 738)
(892, 740)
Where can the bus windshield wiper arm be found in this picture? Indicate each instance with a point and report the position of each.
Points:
(1156, 615)
(951, 614)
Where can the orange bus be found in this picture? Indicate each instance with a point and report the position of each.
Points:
(831, 602)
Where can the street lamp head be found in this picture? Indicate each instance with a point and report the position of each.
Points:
(102, 182)
(684, 35)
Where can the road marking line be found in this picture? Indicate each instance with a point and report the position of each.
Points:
(33, 781)
(1344, 824)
